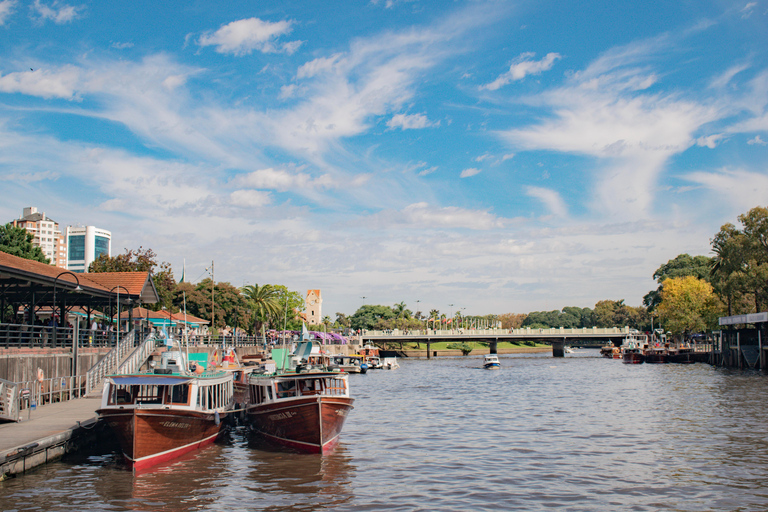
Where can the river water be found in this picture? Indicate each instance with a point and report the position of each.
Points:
(581, 433)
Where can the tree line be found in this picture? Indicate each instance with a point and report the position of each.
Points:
(692, 292)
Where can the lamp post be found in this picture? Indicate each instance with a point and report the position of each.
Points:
(76, 289)
(418, 311)
(451, 316)
(117, 338)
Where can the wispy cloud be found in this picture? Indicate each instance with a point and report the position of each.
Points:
(7, 8)
(466, 173)
(411, 122)
(521, 67)
(45, 83)
(757, 140)
(57, 12)
(423, 215)
(242, 37)
(741, 188)
(550, 198)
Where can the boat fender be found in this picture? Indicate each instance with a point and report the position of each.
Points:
(40, 375)
(216, 418)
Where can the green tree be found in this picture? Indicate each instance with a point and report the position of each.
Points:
(372, 317)
(682, 265)
(688, 305)
(290, 305)
(740, 267)
(17, 241)
(264, 304)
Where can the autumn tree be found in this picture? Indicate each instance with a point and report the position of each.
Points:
(17, 241)
(688, 304)
(682, 265)
(512, 320)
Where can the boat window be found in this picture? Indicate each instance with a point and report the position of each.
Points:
(308, 386)
(150, 394)
(286, 388)
(180, 394)
(269, 392)
(119, 394)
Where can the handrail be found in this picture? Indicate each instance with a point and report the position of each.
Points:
(109, 362)
(140, 354)
(9, 406)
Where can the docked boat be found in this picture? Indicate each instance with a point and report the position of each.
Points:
(491, 362)
(656, 355)
(633, 355)
(371, 357)
(168, 411)
(681, 354)
(350, 364)
(302, 410)
(389, 363)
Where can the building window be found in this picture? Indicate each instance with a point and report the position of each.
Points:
(77, 247)
(102, 246)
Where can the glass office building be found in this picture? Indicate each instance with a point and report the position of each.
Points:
(85, 244)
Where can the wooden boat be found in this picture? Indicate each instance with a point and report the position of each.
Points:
(168, 411)
(607, 350)
(633, 355)
(350, 364)
(371, 357)
(491, 362)
(304, 411)
(682, 354)
(656, 355)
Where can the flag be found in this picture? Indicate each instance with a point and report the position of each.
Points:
(183, 268)
(304, 333)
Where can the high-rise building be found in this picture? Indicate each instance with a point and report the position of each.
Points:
(47, 235)
(85, 244)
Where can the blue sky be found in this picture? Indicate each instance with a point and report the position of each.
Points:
(499, 156)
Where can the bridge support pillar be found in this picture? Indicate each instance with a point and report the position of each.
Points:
(558, 348)
(429, 349)
(494, 346)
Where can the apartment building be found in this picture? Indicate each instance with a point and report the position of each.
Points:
(85, 244)
(46, 233)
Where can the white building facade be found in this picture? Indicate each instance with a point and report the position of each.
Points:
(46, 233)
(84, 245)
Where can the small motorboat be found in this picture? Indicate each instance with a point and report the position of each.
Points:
(491, 362)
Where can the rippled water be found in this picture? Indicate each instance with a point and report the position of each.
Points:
(579, 433)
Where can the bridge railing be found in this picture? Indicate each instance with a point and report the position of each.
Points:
(524, 331)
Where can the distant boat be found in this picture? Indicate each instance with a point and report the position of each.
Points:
(168, 411)
(491, 362)
(303, 409)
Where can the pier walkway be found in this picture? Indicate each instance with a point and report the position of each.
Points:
(46, 433)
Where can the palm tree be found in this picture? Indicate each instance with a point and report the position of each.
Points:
(264, 302)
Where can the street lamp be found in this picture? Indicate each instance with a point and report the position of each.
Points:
(76, 289)
(117, 339)
(451, 316)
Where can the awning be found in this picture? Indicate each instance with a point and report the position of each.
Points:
(150, 380)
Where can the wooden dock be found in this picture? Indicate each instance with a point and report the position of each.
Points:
(46, 434)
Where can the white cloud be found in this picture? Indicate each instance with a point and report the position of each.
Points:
(747, 10)
(244, 36)
(521, 67)
(424, 216)
(59, 83)
(58, 12)
(550, 198)
(250, 198)
(466, 173)
(121, 46)
(605, 113)
(484, 156)
(317, 66)
(410, 122)
(6, 9)
(741, 188)
(507, 157)
(757, 140)
(709, 141)
(281, 180)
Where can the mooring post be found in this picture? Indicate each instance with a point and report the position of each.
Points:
(558, 348)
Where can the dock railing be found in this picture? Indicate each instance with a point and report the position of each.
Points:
(109, 363)
(9, 407)
(140, 354)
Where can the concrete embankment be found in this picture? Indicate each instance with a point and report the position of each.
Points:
(48, 433)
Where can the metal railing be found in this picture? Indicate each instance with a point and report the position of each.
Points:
(139, 355)
(45, 336)
(109, 363)
(9, 406)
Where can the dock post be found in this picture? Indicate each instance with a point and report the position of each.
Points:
(558, 348)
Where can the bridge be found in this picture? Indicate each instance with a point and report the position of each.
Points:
(558, 337)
